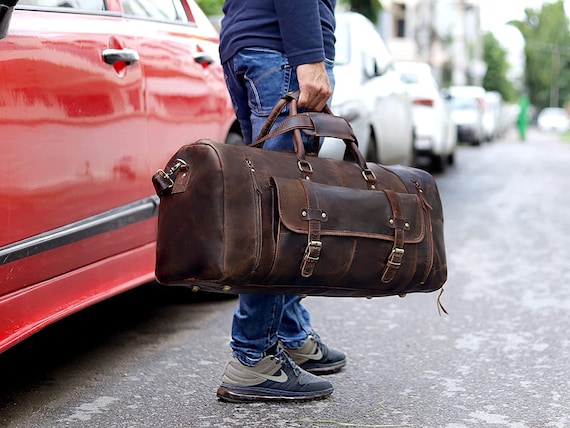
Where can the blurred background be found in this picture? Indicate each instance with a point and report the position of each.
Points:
(518, 49)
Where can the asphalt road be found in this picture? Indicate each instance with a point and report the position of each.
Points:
(154, 356)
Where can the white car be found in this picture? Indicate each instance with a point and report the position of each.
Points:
(468, 112)
(493, 120)
(436, 134)
(553, 119)
(370, 95)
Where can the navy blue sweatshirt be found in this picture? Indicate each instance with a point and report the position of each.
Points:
(302, 29)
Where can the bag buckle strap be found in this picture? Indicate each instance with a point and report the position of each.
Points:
(400, 225)
(311, 257)
(164, 181)
(393, 264)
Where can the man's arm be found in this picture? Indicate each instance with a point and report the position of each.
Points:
(300, 25)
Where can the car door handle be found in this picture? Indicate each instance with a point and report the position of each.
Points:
(111, 56)
(203, 58)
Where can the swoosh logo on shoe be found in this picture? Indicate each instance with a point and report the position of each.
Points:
(316, 356)
(281, 378)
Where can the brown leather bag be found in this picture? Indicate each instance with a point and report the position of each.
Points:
(241, 219)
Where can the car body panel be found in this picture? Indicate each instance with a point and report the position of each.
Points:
(92, 103)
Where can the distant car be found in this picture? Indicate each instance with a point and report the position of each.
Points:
(95, 97)
(436, 134)
(553, 119)
(468, 110)
(370, 95)
(494, 117)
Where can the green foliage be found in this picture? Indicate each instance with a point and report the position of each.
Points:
(495, 78)
(211, 7)
(368, 8)
(547, 41)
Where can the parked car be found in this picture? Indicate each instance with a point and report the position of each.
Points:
(95, 97)
(468, 109)
(494, 121)
(436, 134)
(553, 119)
(370, 95)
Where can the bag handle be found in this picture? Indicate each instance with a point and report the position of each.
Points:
(315, 124)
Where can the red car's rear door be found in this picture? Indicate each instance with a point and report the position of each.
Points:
(185, 92)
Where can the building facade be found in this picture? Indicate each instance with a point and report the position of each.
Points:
(444, 33)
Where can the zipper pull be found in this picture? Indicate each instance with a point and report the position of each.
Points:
(421, 194)
(254, 178)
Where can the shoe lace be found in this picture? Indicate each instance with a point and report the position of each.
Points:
(282, 357)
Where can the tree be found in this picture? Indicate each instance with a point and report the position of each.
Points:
(495, 78)
(547, 66)
(211, 7)
(368, 8)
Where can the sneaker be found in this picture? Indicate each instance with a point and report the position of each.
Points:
(275, 378)
(315, 357)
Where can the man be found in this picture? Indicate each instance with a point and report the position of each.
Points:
(269, 48)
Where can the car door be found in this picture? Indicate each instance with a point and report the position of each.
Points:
(185, 93)
(74, 147)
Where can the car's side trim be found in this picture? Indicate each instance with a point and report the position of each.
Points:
(110, 220)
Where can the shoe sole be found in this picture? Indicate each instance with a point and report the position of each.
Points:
(239, 395)
(323, 369)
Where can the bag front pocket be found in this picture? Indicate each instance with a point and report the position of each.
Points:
(335, 235)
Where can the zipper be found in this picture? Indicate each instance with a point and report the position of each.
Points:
(257, 214)
(427, 208)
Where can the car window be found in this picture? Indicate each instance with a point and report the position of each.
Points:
(409, 77)
(156, 9)
(94, 5)
(463, 103)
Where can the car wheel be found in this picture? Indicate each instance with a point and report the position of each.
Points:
(438, 163)
(234, 139)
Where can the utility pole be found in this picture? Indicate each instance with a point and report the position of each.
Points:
(459, 76)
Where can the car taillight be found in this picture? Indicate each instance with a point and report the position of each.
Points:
(424, 102)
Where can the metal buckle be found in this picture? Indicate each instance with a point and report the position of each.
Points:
(395, 252)
(180, 163)
(312, 244)
(368, 175)
(302, 163)
(166, 176)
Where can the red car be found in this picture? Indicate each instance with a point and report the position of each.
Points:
(95, 96)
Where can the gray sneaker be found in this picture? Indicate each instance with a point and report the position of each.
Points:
(274, 378)
(315, 357)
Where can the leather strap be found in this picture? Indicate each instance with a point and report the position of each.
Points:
(314, 215)
(287, 99)
(399, 224)
(315, 124)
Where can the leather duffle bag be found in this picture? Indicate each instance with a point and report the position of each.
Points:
(241, 219)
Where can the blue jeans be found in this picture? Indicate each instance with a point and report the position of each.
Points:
(257, 78)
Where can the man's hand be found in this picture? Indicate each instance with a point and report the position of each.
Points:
(314, 86)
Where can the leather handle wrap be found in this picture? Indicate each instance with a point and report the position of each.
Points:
(315, 124)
